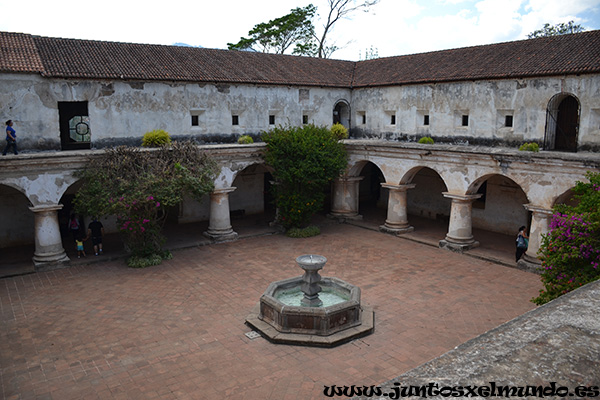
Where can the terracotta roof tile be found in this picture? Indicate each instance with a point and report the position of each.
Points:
(87, 59)
(555, 55)
(71, 58)
(18, 53)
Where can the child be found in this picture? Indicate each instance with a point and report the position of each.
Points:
(79, 242)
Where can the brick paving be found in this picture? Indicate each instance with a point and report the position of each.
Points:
(176, 331)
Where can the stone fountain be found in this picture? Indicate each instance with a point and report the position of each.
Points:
(310, 310)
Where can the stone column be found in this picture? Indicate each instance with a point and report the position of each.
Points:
(540, 225)
(397, 216)
(345, 198)
(219, 228)
(460, 232)
(49, 251)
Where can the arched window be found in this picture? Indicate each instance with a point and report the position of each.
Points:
(341, 113)
(562, 123)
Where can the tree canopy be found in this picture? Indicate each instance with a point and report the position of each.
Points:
(278, 35)
(297, 29)
(555, 30)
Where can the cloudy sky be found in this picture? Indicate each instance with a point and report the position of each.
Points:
(392, 27)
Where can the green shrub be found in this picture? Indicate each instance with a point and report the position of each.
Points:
(309, 231)
(426, 140)
(339, 131)
(304, 161)
(245, 139)
(148, 261)
(571, 249)
(156, 138)
(530, 147)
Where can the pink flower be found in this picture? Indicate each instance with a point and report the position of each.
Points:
(157, 204)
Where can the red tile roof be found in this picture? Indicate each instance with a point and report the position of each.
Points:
(556, 55)
(86, 59)
(18, 53)
(68, 58)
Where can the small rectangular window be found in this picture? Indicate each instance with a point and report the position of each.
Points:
(235, 120)
(194, 120)
(271, 120)
(393, 120)
(508, 121)
(305, 119)
(426, 120)
(364, 119)
(465, 120)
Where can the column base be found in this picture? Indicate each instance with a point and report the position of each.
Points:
(530, 264)
(227, 236)
(458, 247)
(51, 262)
(341, 217)
(396, 230)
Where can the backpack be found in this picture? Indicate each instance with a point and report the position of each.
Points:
(521, 243)
(74, 224)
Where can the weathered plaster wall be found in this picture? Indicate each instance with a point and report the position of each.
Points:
(121, 112)
(485, 102)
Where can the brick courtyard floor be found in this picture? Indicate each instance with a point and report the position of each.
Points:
(176, 331)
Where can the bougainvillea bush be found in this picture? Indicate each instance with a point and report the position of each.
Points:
(139, 186)
(305, 159)
(571, 250)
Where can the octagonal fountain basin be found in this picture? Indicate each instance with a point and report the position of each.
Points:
(310, 310)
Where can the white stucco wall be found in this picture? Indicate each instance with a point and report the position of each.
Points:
(121, 112)
(485, 102)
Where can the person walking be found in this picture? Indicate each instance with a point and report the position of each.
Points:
(11, 138)
(522, 242)
(96, 231)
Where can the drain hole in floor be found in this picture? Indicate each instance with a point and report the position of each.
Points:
(252, 335)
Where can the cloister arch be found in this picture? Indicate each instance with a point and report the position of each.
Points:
(500, 207)
(426, 199)
(567, 197)
(16, 216)
(253, 191)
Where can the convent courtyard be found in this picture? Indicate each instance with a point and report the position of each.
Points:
(176, 331)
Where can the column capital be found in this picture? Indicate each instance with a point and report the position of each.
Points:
(346, 178)
(401, 187)
(538, 209)
(46, 208)
(467, 198)
(223, 190)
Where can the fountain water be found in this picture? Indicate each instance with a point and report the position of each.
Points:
(310, 310)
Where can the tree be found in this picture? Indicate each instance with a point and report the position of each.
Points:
(278, 35)
(338, 9)
(139, 186)
(571, 250)
(297, 28)
(304, 159)
(555, 30)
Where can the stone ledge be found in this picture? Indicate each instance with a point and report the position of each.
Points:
(557, 342)
(366, 327)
